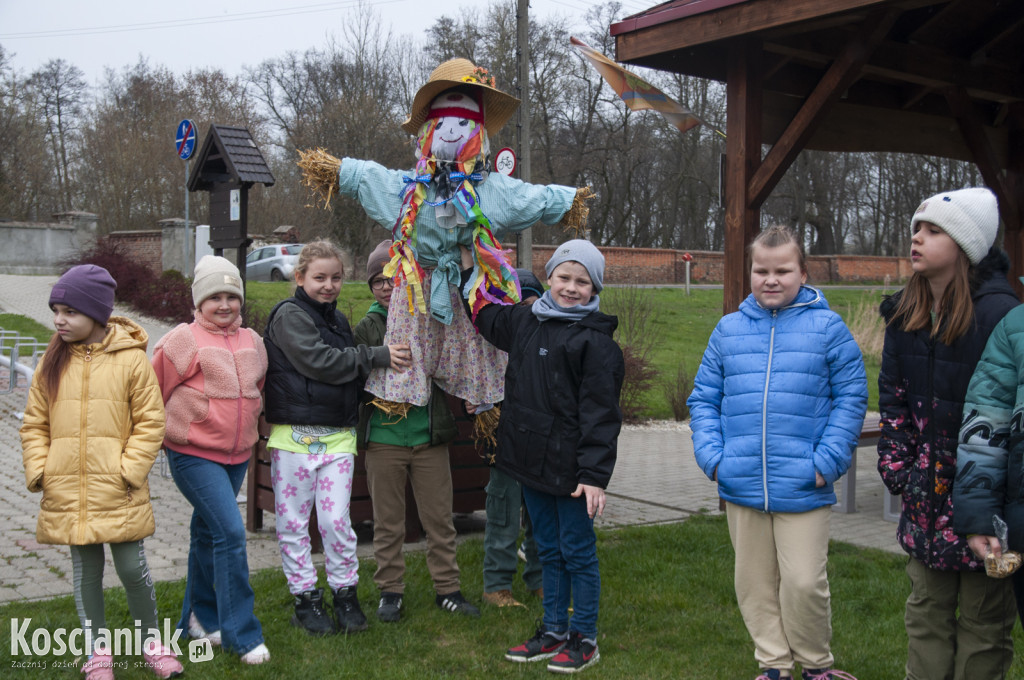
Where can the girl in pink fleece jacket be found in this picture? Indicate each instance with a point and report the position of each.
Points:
(211, 373)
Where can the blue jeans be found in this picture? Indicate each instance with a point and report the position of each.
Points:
(217, 588)
(567, 547)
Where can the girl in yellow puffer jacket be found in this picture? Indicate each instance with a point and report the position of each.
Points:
(93, 426)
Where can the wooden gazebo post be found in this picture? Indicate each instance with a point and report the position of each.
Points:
(742, 158)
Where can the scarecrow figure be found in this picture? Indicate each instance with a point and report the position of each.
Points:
(448, 201)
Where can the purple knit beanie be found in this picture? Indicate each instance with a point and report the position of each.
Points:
(88, 289)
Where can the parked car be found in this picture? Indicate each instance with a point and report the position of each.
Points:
(272, 263)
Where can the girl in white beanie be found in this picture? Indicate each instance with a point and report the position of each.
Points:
(211, 372)
(936, 329)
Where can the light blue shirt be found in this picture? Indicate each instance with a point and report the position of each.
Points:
(510, 204)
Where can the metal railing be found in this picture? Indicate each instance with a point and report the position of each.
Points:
(19, 356)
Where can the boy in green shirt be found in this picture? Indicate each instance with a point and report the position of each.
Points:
(414, 447)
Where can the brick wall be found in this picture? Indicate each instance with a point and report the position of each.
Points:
(654, 266)
(145, 247)
(625, 265)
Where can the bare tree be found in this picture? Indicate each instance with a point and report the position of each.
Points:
(26, 177)
(61, 92)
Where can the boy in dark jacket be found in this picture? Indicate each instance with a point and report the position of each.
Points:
(413, 447)
(557, 435)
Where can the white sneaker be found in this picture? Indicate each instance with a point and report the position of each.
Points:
(197, 632)
(257, 655)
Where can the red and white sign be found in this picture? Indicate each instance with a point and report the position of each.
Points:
(505, 162)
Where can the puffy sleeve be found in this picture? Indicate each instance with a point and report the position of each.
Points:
(174, 359)
(261, 357)
(983, 452)
(35, 433)
(849, 392)
(898, 443)
(599, 414)
(147, 435)
(705, 404)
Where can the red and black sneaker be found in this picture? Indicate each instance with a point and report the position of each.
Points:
(543, 645)
(578, 653)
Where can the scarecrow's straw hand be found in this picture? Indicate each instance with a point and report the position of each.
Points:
(319, 173)
(575, 219)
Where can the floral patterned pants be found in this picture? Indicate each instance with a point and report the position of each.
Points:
(456, 357)
(301, 482)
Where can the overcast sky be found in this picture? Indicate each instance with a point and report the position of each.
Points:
(93, 34)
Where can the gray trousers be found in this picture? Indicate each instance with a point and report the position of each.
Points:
(132, 569)
(501, 536)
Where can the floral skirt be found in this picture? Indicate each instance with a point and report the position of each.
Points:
(456, 357)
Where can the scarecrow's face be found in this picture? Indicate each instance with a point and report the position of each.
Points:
(450, 135)
(453, 130)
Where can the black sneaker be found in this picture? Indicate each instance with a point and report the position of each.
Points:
(347, 614)
(390, 608)
(310, 614)
(543, 645)
(457, 604)
(578, 653)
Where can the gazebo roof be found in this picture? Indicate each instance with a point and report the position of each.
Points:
(938, 77)
(229, 154)
(929, 51)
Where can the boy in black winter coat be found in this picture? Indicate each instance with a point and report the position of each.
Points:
(557, 435)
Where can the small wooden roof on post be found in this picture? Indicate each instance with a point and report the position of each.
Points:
(229, 162)
(847, 75)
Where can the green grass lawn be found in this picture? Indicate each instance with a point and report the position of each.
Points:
(26, 326)
(668, 610)
(683, 324)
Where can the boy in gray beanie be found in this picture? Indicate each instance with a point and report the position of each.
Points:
(584, 252)
(557, 437)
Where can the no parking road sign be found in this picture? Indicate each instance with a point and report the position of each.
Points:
(185, 139)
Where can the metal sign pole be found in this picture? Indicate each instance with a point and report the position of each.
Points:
(185, 145)
(186, 269)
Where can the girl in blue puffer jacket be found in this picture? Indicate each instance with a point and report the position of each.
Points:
(776, 411)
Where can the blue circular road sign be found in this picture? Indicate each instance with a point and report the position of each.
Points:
(185, 139)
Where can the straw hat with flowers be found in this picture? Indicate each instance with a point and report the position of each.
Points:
(462, 73)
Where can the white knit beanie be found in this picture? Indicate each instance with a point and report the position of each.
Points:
(215, 274)
(969, 216)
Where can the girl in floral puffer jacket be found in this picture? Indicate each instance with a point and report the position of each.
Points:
(936, 330)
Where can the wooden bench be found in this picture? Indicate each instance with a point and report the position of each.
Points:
(469, 482)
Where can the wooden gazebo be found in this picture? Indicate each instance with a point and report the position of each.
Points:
(938, 77)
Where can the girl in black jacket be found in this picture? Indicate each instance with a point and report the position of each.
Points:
(557, 435)
(312, 395)
(958, 620)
